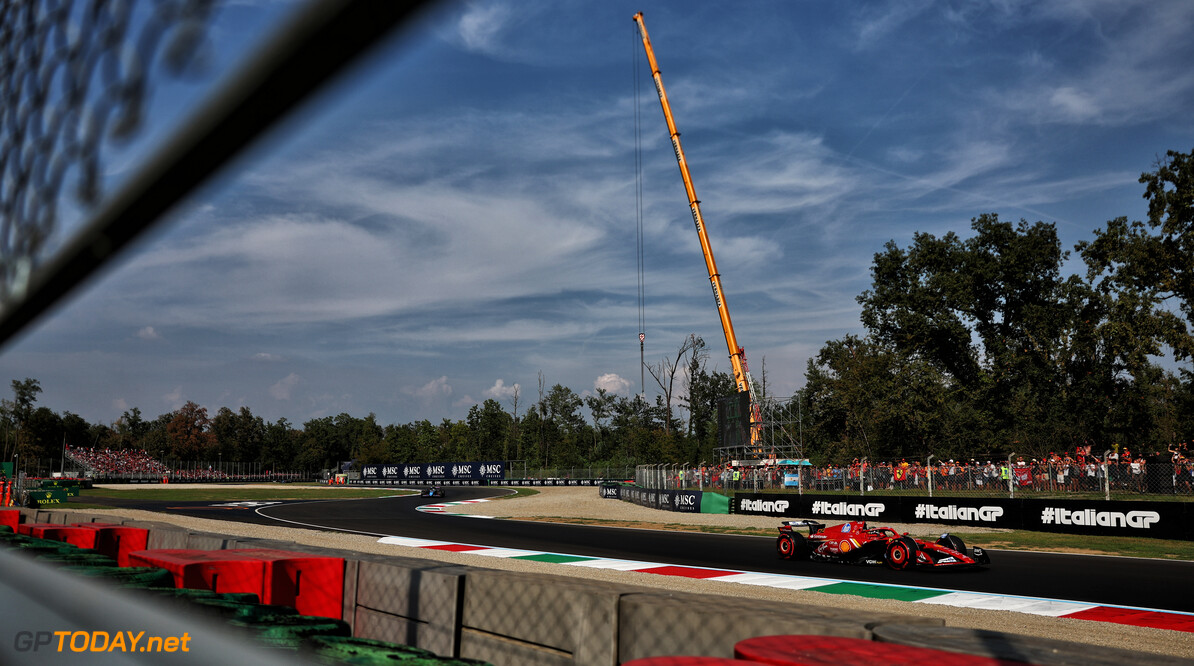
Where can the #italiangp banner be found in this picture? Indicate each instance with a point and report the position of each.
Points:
(1160, 520)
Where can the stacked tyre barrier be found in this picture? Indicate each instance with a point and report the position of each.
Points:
(409, 610)
(315, 638)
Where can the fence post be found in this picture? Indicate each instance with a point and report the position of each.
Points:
(929, 470)
(1106, 476)
(862, 477)
(1011, 476)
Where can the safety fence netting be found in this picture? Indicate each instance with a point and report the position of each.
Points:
(1110, 478)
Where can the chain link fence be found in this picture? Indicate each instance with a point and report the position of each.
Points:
(1087, 478)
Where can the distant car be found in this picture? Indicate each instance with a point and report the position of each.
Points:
(433, 491)
(855, 543)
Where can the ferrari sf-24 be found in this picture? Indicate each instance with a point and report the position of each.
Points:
(855, 543)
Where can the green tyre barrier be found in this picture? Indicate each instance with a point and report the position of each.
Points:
(188, 594)
(77, 559)
(140, 577)
(289, 631)
(239, 610)
(338, 649)
(182, 593)
(365, 652)
(45, 546)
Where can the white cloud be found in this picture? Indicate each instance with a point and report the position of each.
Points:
(612, 383)
(120, 404)
(283, 388)
(880, 22)
(464, 401)
(499, 390)
(174, 398)
(434, 389)
(148, 333)
(1132, 75)
(480, 24)
(267, 357)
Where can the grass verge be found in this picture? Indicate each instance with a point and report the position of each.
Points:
(233, 493)
(518, 492)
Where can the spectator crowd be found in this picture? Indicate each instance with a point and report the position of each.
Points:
(137, 463)
(1170, 472)
(106, 462)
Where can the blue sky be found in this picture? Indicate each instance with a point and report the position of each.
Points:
(458, 214)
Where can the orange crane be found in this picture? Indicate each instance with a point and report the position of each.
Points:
(737, 354)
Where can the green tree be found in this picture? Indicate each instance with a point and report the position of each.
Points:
(131, 429)
(279, 447)
(1152, 265)
(1032, 351)
(189, 434)
(76, 429)
(601, 407)
(488, 425)
(21, 409)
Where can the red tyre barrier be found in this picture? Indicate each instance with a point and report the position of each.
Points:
(27, 528)
(311, 584)
(688, 661)
(75, 536)
(117, 541)
(204, 569)
(11, 518)
(835, 651)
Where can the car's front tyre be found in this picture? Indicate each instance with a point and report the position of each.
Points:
(901, 554)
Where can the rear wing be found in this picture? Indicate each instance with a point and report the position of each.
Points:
(812, 525)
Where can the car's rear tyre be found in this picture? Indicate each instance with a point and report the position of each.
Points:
(785, 545)
(952, 542)
(901, 554)
(792, 547)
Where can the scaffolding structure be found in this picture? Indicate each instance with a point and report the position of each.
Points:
(781, 434)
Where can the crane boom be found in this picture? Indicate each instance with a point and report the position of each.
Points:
(737, 354)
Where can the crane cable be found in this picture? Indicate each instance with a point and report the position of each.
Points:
(638, 171)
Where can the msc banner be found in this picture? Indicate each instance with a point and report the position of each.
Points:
(685, 501)
(551, 482)
(435, 471)
(1161, 520)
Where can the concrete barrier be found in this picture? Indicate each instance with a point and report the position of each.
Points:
(409, 601)
(544, 619)
(660, 624)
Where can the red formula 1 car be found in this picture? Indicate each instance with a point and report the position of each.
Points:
(855, 543)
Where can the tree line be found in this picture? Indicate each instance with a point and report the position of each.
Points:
(982, 345)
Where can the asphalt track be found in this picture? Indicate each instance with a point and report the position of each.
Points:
(1140, 583)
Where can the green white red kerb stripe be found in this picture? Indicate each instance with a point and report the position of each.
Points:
(1139, 617)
